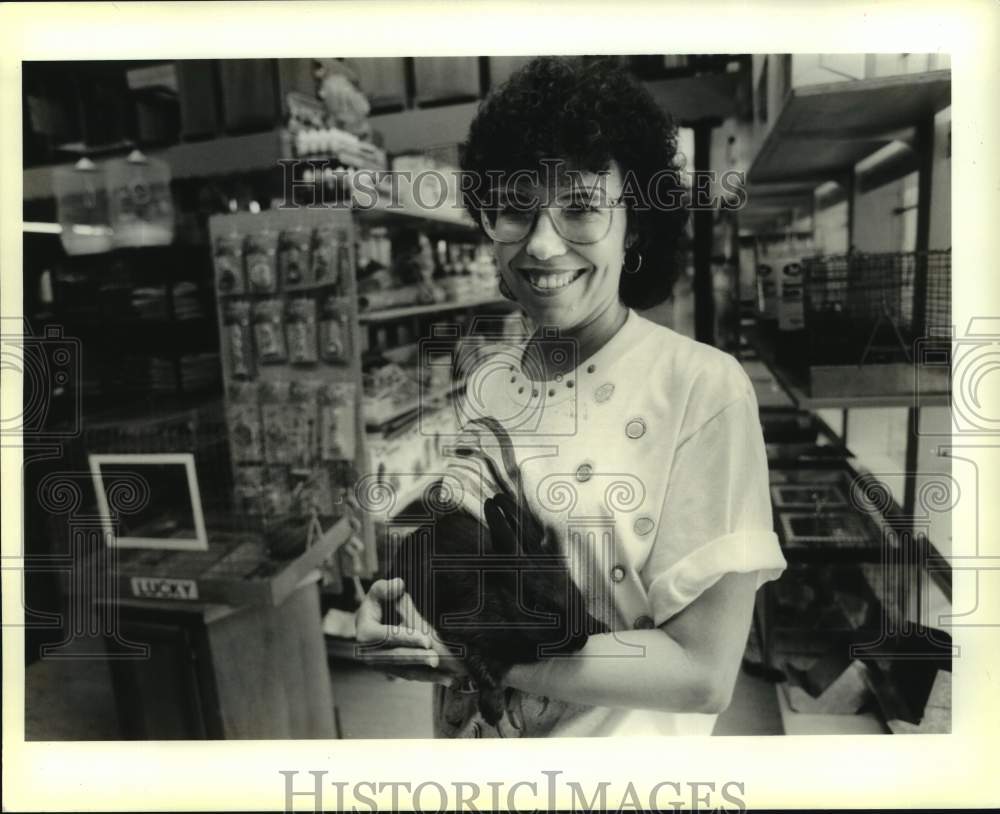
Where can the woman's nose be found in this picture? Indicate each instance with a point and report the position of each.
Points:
(544, 241)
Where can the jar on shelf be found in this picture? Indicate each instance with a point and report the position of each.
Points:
(142, 212)
(82, 203)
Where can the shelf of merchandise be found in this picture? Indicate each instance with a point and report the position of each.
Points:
(385, 210)
(408, 311)
(225, 155)
(426, 401)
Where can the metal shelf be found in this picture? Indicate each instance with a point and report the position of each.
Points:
(432, 308)
(825, 129)
(796, 389)
(385, 211)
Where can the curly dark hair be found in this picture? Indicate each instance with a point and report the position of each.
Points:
(589, 113)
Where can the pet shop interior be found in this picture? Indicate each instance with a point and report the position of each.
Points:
(216, 366)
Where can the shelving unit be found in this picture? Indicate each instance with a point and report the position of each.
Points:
(797, 388)
(408, 311)
(825, 129)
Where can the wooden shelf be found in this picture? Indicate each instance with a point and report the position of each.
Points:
(825, 129)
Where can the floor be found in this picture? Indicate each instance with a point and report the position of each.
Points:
(71, 699)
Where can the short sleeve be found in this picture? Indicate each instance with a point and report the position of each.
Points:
(716, 516)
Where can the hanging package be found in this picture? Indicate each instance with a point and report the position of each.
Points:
(83, 208)
(142, 213)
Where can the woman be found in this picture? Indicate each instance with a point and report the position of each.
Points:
(642, 448)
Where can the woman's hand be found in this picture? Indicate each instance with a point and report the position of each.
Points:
(411, 650)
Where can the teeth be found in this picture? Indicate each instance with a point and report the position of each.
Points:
(548, 281)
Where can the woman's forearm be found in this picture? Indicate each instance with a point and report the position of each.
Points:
(644, 669)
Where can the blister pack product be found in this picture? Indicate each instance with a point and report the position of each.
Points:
(337, 421)
(303, 429)
(238, 344)
(275, 496)
(269, 332)
(300, 329)
(243, 416)
(326, 256)
(249, 482)
(229, 276)
(261, 261)
(344, 475)
(293, 257)
(318, 493)
(275, 419)
(334, 333)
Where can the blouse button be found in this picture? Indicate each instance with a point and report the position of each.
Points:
(591, 368)
(644, 623)
(617, 574)
(643, 526)
(603, 393)
(636, 428)
(583, 472)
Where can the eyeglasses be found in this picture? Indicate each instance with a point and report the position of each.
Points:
(576, 221)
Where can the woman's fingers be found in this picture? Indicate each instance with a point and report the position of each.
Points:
(422, 674)
(369, 619)
(386, 590)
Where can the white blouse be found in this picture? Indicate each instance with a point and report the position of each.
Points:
(648, 462)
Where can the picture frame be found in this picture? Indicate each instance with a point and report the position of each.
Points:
(127, 465)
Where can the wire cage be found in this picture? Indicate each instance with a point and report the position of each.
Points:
(871, 308)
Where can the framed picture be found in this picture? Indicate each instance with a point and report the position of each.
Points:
(150, 501)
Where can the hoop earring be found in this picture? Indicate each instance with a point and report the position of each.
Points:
(638, 265)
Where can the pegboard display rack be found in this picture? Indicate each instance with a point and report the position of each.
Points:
(291, 362)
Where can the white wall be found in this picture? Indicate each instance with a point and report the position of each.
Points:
(830, 229)
(819, 69)
(877, 228)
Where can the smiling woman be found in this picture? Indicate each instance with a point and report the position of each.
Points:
(639, 449)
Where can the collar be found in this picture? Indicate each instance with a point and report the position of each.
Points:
(595, 370)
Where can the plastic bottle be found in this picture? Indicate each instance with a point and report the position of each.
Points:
(82, 203)
(142, 212)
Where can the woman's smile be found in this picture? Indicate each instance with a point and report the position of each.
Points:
(547, 282)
